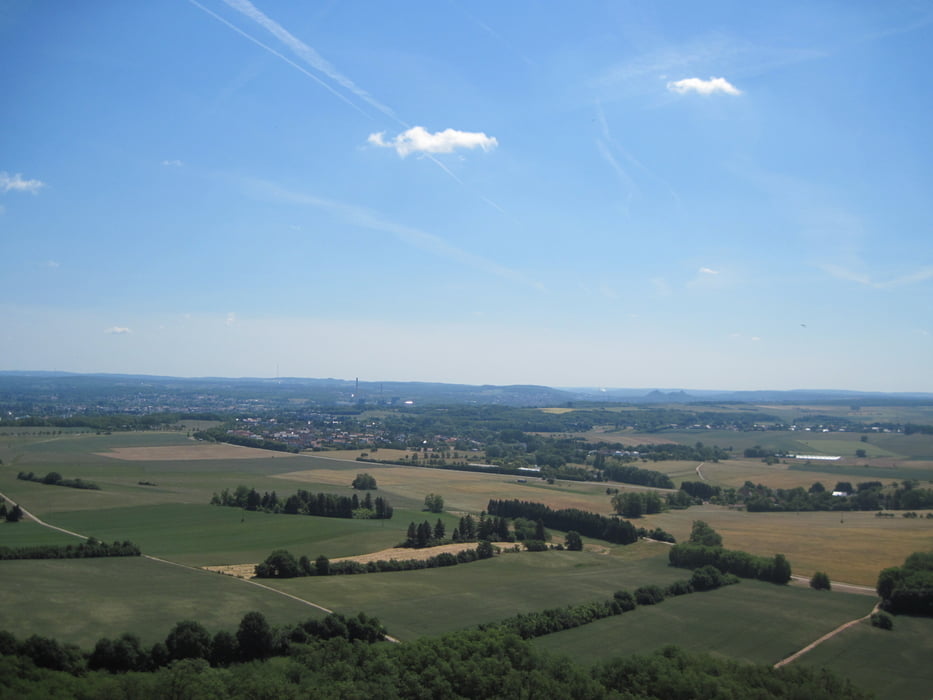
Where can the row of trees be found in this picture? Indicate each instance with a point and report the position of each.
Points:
(91, 548)
(56, 479)
(689, 556)
(13, 514)
(303, 502)
(283, 564)
(586, 523)
(223, 435)
(537, 624)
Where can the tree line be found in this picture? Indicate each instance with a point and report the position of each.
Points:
(327, 505)
(537, 624)
(220, 434)
(56, 479)
(283, 564)
(84, 550)
(255, 639)
(588, 524)
(866, 495)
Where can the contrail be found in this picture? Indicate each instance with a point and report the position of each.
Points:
(307, 54)
(277, 54)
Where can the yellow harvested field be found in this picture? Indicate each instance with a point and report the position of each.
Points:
(851, 547)
(466, 491)
(196, 451)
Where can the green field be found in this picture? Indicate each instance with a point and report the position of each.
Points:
(717, 621)
(81, 600)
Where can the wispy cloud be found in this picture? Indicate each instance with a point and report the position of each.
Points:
(117, 330)
(365, 218)
(230, 320)
(921, 275)
(420, 140)
(172, 163)
(703, 87)
(51, 264)
(708, 271)
(16, 183)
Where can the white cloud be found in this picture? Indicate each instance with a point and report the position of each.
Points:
(703, 87)
(231, 319)
(420, 140)
(709, 271)
(51, 263)
(117, 330)
(921, 275)
(16, 183)
(172, 163)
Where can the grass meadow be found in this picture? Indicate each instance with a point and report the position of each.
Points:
(720, 621)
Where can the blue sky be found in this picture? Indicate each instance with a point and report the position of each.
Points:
(647, 194)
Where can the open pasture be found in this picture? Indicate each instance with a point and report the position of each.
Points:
(81, 600)
(749, 621)
(851, 547)
(436, 601)
(891, 663)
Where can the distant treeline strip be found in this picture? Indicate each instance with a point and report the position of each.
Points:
(587, 524)
(454, 467)
(326, 505)
(731, 561)
(114, 421)
(56, 479)
(85, 550)
(221, 435)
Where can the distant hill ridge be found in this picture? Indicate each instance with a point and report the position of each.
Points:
(344, 391)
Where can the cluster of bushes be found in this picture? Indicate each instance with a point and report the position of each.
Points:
(586, 523)
(13, 514)
(327, 505)
(690, 556)
(283, 564)
(908, 589)
(90, 548)
(537, 624)
(55, 479)
(634, 504)
(634, 475)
